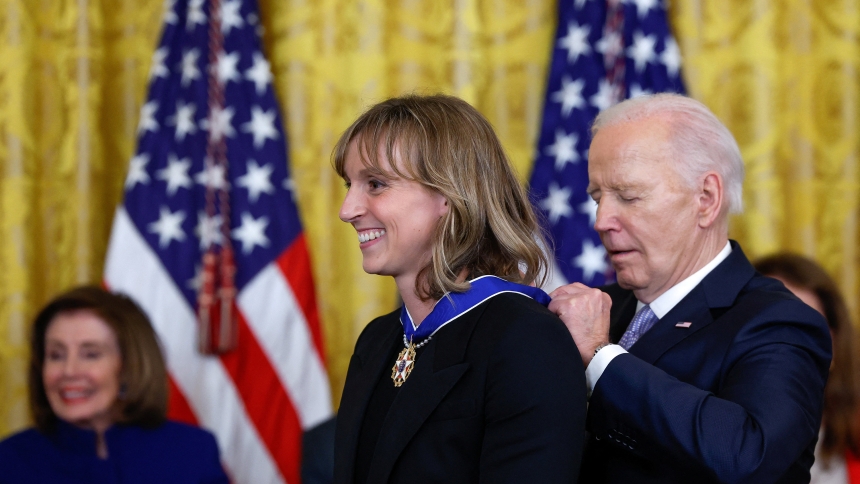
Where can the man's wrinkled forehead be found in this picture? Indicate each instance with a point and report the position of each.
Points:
(620, 149)
(648, 137)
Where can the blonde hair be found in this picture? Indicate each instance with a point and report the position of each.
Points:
(449, 147)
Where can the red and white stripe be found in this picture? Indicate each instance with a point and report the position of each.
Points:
(258, 399)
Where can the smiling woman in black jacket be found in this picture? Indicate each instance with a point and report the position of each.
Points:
(473, 379)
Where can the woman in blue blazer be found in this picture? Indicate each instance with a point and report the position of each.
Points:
(98, 397)
(473, 379)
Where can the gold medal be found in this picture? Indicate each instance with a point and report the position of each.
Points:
(403, 365)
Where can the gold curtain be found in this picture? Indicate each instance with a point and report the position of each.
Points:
(782, 74)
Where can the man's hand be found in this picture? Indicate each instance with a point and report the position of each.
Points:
(585, 312)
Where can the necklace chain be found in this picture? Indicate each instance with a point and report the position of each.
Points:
(406, 342)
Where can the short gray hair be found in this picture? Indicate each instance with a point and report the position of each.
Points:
(701, 142)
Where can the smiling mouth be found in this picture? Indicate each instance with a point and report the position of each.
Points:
(74, 395)
(370, 235)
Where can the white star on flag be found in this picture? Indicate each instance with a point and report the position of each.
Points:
(190, 71)
(643, 6)
(158, 69)
(212, 176)
(208, 230)
(230, 16)
(137, 171)
(147, 117)
(175, 174)
(642, 50)
(592, 260)
(576, 41)
(610, 45)
(226, 67)
(636, 91)
(570, 95)
(290, 186)
(168, 227)
(252, 232)
(257, 180)
(564, 149)
(184, 120)
(260, 73)
(170, 12)
(671, 57)
(196, 282)
(557, 203)
(589, 207)
(195, 14)
(603, 98)
(261, 126)
(223, 125)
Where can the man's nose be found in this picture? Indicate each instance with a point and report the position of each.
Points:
(605, 219)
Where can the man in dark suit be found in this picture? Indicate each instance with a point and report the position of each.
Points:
(702, 370)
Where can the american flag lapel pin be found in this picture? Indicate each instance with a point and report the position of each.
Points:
(685, 324)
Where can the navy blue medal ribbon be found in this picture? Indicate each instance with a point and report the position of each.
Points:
(455, 304)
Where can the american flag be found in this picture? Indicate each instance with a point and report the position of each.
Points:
(210, 174)
(604, 51)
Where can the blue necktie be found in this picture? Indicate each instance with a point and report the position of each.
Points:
(641, 323)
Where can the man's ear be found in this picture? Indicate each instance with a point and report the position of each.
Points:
(710, 198)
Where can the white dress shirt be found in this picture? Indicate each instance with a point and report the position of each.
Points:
(661, 306)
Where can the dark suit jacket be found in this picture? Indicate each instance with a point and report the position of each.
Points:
(498, 395)
(736, 397)
(170, 453)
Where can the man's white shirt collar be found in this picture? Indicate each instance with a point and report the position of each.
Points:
(661, 306)
(669, 299)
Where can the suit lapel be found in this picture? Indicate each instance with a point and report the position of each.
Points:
(369, 366)
(664, 334)
(437, 369)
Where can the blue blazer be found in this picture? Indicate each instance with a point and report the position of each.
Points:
(171, 453)
(736, 397)
(496, 396)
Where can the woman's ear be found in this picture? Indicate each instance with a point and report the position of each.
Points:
(443, 205)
